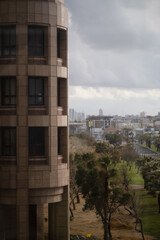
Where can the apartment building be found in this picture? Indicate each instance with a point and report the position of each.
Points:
(34, 172)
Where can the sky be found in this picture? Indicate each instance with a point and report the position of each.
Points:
(114, 56)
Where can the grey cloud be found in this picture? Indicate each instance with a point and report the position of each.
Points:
(104, 24)
(114, 43)
(137, 4)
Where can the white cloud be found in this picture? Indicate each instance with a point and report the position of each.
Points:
(113, 93)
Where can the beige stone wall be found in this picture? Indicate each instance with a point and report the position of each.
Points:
(23, 183)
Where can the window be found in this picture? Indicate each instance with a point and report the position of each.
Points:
(36, 91)
(36, 41)
(62, 45)
(36, 141)
(58, 43)
(8, 91)
(8, 141)
(8, 41)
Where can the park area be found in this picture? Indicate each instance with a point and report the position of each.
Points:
(122, 224)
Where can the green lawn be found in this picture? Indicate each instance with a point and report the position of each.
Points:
(153, 147)
(149, 212)
(135, 178)
(147, 205)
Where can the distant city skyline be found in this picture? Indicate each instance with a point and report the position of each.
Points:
(74, 114)
(114, 56)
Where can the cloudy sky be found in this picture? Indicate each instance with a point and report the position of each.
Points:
(114, 56)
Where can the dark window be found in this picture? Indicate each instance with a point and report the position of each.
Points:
(8, 41)
(36, 91)
(59, 141)
(36, 141)
(32, 222)
(8, 141)
(62, 45)
(36, 41)
(58, 43)
(59, 92)
(9, 91)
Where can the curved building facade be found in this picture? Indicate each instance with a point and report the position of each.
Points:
(34, 171)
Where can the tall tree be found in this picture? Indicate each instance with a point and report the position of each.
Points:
(99, 187)
(114, 138)
(150, 168)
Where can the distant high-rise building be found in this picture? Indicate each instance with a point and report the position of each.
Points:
(142, 114)
(71, 114)
(100, 112)
(76, 116)
(34, 172)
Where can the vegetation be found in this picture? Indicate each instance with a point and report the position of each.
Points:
(115, 139)
(104, 176)
(133, 175)
(129, 155)
(148, 211)
(133, 208)
(150, 168)
(101, 190)
(90, 140)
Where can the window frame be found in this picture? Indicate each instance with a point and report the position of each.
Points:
(34, 80)
(8, 96)
(7, 43)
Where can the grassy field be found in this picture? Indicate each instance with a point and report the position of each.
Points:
(153, 147)
(149, 212)
(148, 205)
(135, 178)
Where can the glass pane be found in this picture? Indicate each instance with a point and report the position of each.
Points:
(6, 151)
(6, 101)
(6, 39)
(13, 101)
(13, 51)
(36, 41)
(13, 137)
(39, 101)
(12, 87)
(36, 141)
(32, 100)
(9, 41)
(32, 86)
(39, 86)
(12, 37)
(6, 87)
(9, 141)
(5, 51)
(6, 137)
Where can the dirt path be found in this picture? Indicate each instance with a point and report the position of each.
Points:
(86, 222)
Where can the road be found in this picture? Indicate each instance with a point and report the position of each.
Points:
(145, 151)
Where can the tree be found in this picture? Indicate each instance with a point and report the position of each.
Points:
(97, 181)
(74, 190)
(115, 138)
(128, 134)
(150, 168)
(132, 208)
(148, 139)
(140, 138)
(129, 155)
(104, 149)
(157, 143)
